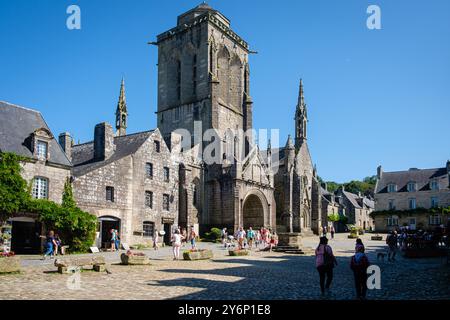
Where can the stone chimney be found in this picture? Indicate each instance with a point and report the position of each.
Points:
(104, 146)
(65, 141)
(379, 172)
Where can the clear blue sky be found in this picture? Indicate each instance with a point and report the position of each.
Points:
(374, 96)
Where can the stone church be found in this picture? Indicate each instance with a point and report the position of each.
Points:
(204, 84)
(297, 189)
(203, 81)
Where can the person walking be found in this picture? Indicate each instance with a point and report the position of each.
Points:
(325, 231)
(192, 237)
(155, 240)
(117, 242)
(224, 235)
(257, 239)
(50, 244)
(359, 243)
(57, 244)
(240, 235)
(359, 264)
(325, 262)
(113, 239)
(392, 241)
(332, 231)
(176, 244)
(250, 237)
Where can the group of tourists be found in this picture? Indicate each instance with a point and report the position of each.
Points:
(180, 238)
(52, 245)
(326, 261)
(263, 238)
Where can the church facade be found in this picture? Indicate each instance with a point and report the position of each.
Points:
(204, 87)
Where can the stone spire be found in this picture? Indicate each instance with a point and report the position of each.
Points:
(289, 143)
(121, 112)
(301, 118)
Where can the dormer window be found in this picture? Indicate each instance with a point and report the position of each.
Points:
(392, 187)
(434, 185)
(412, 186)
(41, 150)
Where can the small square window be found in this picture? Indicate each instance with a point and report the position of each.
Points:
(392, 187)
(40, 188)
(149, 199)
(166, 205)
(41, 150)
(434, 202)
(148, 228)
(412, 203)
(110, 194)
(149, 170)
(412, 187)
(391, 204)
(166, 174)
(434, 185)
(157, 146)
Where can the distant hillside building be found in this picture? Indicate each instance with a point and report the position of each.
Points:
(415, 192)
(24, 132)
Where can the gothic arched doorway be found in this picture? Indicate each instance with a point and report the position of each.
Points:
(255, 211)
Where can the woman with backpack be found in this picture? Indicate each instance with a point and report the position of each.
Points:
(325, 262)
(359, 264)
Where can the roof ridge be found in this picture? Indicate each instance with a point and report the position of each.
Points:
(20, 107)
(415, 170)
(127, 135)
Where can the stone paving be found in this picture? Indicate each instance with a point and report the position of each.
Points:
(262, 275)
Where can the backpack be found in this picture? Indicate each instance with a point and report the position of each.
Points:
(327, 257)
(362, 265)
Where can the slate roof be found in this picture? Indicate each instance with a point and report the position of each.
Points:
(83, 154)
(16, 126)
(422, 177)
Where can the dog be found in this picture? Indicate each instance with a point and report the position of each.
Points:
(381, 255)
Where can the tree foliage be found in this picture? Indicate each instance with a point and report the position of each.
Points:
(366, 186)
(13, 188)
(75, 227)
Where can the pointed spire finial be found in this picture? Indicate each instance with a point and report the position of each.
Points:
(289, 143)
(301, 96)
(121, 111)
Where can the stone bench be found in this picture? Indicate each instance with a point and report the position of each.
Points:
(71, 265)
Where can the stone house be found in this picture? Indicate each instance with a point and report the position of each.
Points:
(330, 206)
(24, 132)
(129, 181)
(357, 208)
(405, 198)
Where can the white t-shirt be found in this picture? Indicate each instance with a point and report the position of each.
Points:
(177, 239)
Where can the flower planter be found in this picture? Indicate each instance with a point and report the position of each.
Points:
(133, 259)
(235, 253)
(198, 255)
(376, 238)
(352, 236)
(9, 265)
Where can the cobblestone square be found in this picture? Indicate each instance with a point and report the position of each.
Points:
(262, 275)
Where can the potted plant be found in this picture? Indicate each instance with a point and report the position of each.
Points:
(239, 252)
(9, 263)
(134, 258)
(376, 237)
(197, 254)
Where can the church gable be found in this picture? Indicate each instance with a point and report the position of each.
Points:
(254, 169)
(303, 161)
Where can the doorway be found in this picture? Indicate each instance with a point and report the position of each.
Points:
(106, 224)
(168, 233)
(25, 237)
